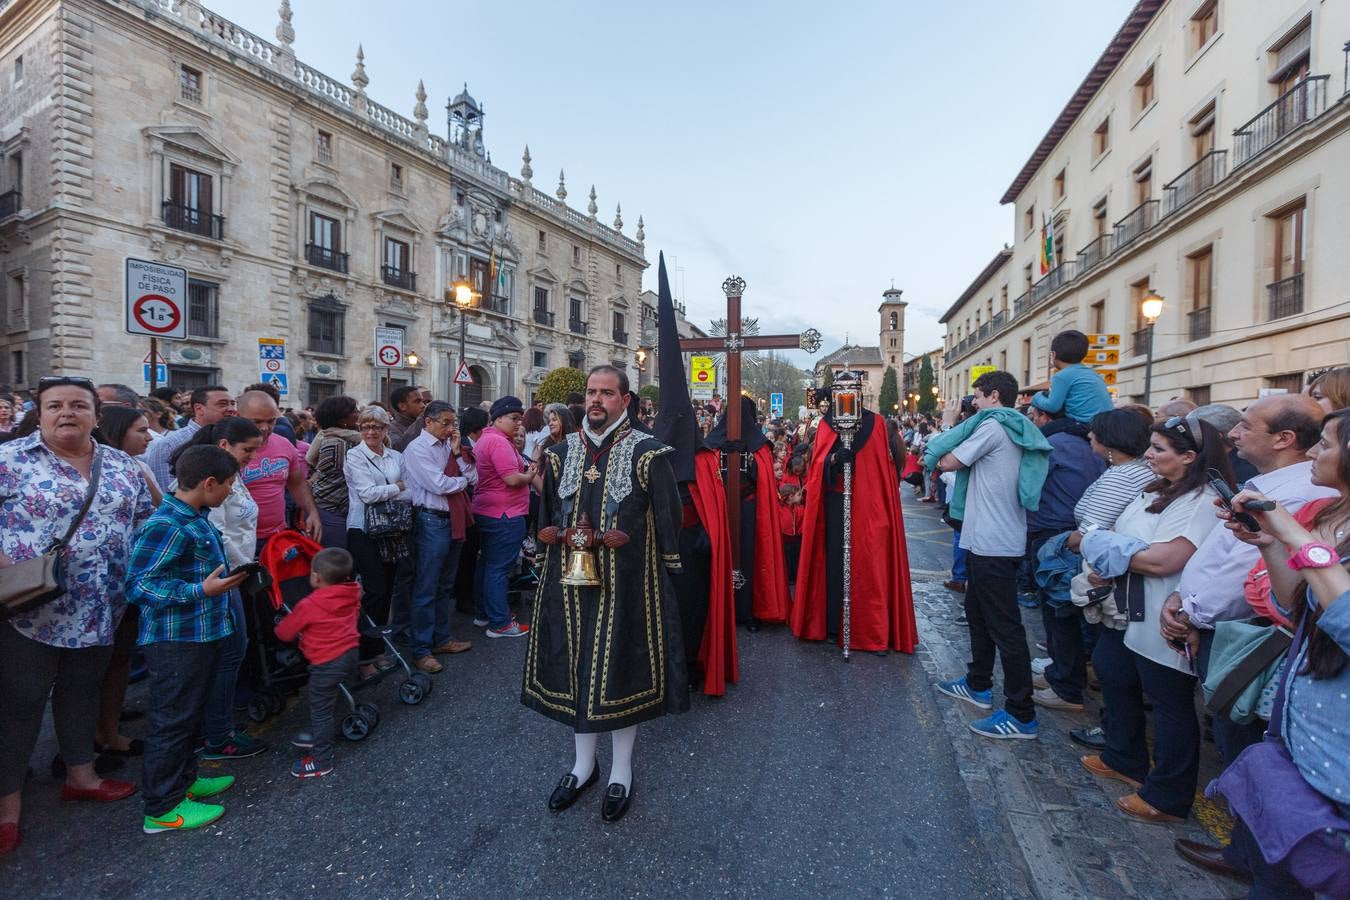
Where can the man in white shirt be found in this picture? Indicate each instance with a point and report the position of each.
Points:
(1274, 435)
(437, 499)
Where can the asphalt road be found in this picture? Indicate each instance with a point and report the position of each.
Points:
(811, 777)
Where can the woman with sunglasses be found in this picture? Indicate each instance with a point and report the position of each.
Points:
(61, 649)
(1172, 516)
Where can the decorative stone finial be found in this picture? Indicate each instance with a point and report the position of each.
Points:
(641, 232)
(420, 109)
(359, 73)
(285, 33)
(562, 186)
(526, 173)
(618, 217)
(591, 207)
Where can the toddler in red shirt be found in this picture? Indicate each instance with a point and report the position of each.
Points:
(325, 621)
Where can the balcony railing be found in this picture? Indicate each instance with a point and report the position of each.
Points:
(1000, 319)
(326, 257)
(1095, 252)
(10, 203)
(1286, 296)
(1140, 342)
(1052, 281)
(1136, 222)
(1305, 101)
(1020, 304)
(1207, 172)
(620, 337)
(1200, 327)
(576, 326)
(543, 317)
(192, 220)
(498, 304)
(399, 278)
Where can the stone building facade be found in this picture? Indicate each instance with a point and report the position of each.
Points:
(301, 208)
(1203, 158)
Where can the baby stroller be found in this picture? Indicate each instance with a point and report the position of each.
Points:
(287, 558)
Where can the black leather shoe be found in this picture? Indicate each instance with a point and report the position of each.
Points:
(616, 802)
(1092, 738)
(567, 791)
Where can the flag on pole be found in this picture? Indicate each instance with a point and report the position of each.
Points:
(1047, 246)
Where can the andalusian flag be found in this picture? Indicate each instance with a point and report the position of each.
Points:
(1047, 246)
(496, 275)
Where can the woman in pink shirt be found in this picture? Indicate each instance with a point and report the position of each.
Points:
(500, 504)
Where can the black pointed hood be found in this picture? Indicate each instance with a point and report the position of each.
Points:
(752, 436)
(676, 426)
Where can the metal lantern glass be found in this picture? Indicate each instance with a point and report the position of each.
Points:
(1151, 306)
(463, 293)
(847, 393)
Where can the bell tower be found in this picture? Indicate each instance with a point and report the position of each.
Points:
(892, 337)
(465, 117)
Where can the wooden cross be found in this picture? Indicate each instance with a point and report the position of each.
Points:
(732, 345)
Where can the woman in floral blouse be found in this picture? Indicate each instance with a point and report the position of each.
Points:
(62, 648)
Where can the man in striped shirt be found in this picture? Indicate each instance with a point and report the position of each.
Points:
(177, 578)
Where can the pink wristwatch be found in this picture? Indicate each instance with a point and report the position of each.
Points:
(1313, 555)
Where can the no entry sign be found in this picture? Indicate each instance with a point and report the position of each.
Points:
(156, 298)
(389, 347)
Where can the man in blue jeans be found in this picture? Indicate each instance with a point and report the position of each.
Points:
(500, 503)
(439, 517)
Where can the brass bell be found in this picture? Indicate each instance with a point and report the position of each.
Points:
(581, 571)
(580, 540)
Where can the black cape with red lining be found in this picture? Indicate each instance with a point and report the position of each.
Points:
(717, 653)
(881, 600)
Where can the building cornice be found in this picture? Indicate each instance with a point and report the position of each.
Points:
(1115, 51)
(994, 265)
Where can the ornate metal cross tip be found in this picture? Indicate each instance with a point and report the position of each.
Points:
(810, 341)
(734, 286)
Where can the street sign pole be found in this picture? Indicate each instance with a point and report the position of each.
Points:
(154, 364)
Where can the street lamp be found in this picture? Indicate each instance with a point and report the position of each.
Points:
(412, 360)
(1150, 307)
(642, 359)
(461, 292)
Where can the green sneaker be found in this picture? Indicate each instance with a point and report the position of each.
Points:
(186, 815)
(209, 787)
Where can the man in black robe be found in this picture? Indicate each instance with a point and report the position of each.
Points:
(609, 657)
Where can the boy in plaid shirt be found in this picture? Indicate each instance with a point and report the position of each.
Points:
(177, 578)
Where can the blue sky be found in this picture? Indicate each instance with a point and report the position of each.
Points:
(817, 150)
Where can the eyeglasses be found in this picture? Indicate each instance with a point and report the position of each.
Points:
(1188, 425)
(53, 381)
(374, 426)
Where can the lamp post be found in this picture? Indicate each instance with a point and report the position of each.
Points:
(1150, 307)
(412, 359)
(462, 293)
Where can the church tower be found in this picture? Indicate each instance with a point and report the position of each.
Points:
(892, 338)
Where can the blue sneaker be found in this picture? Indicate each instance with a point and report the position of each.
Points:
(1002, 726)
(961, 691)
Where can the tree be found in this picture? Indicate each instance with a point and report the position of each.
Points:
(889, 398)
(559, 383)
(651, 392)
(827, 379)
(773, 373)
(927, 399)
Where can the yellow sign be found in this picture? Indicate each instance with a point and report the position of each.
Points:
(1108, 375)
(702, 372)
(977, 371)
(1103, 357)
(1104, 340)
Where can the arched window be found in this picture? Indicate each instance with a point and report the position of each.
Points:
(895, 321)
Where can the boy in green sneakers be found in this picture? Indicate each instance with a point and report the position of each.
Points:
(177, 579)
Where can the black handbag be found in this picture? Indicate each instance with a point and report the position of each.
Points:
(31, 583)
(387, 518)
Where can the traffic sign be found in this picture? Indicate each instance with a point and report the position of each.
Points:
(1108, 375)
(389, 347)
(161, 373)
(463, 375)
(1103, 357)
(1104, 340)
(702, 371)
(977, 371)
(776, 405)
(156, 299)
(277, 380)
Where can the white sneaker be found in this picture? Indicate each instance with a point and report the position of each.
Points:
(1040, 664)
(480, 623)
(1050, 700)
(512, 630)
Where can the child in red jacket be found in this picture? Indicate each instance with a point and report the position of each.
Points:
(325, 622)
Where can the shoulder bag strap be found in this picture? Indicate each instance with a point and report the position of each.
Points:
(94, 471)
(1257, 660)
(380, 469)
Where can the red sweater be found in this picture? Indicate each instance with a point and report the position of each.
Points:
(325, 621)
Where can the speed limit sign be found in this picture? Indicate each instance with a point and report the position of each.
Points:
(156, 297)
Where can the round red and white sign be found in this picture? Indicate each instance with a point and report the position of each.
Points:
(703, 376)
(272, 365)
(390, 355)
(157, 314)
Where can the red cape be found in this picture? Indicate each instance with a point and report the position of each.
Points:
(770, 601)
(882, 604)
(717, 652)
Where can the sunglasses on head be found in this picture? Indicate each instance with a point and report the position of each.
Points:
(55, 381)
(1188, 425)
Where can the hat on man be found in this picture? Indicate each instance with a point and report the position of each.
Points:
(1223, 417)
(504, 406)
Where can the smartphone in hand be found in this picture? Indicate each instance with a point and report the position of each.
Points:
(1226, 496)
